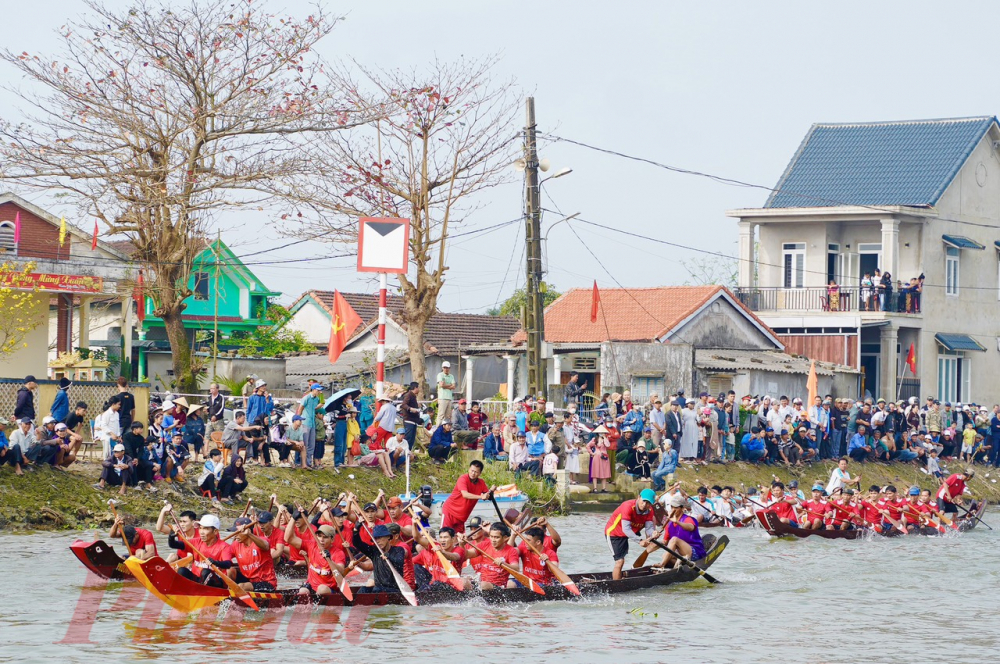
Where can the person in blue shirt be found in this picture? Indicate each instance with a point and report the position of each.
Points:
(521, 417)
(752, 447)
(859, 449)
(633, 422)
(60, 405)
(493, 445)
(538, 446)
(668, 465)
(994, 438)
(194, 430)
(442, 445)
(260, 404)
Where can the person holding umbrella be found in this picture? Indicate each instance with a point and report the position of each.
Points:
(340, 405)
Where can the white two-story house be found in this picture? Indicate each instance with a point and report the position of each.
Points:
(914, 199)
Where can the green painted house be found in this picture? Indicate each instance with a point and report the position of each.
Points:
(225, 294)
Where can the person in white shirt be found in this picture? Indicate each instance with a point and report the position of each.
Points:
(840, 478)
(107, 426)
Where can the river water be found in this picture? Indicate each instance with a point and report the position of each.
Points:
(887, 600)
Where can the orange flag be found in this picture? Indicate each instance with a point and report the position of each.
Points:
(93, 243)
(345, 321)
(595, 302)
(911, 360)
(812, 384)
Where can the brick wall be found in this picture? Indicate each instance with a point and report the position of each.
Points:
(39, 238)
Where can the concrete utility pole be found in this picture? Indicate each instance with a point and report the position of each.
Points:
(534, 319)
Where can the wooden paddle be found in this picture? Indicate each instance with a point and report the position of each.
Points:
(562, 576)
(970, 515)
(401, 583)
(342, 585)
(454, 578)
(247, 508)
(183, 562)
(234, 588)
(641, 559)
(701, 572)
(121, 527)
(524, 580)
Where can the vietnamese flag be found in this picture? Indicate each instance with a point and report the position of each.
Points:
(93, 243)
(345, 320)
(911, 360)
(595, 302)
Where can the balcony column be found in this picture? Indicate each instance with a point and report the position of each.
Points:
(84, 335)
(511, 364)
(556, 377)
(890, 248)
(888, 361)
(470, 363)
(747, 258)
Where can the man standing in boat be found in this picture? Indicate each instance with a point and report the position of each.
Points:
(631, 518)
(952, 489)
(469, 490)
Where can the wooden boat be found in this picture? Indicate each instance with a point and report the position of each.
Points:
(185, 595)
(102, 559)
(770, 522)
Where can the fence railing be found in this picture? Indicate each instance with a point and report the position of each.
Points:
(845, 299)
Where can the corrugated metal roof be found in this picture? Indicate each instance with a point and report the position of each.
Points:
(735, 360)
(958, 342)
(961, 242)
(877, 163)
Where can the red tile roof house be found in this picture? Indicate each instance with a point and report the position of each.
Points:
(661, 339)
(446, 338)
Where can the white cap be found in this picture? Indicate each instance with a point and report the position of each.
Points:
(47, 419)
(260, 383)
(446, 364)
(119, 448)
(168, 404)
(210, 521)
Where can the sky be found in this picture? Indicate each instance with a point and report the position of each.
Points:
(724, 88)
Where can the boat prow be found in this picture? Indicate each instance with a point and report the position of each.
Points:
(159, 578)
(101, 559)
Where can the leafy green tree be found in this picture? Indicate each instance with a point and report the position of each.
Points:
(513, 305)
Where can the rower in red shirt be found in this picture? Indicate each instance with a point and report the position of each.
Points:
(429, 561)
(477, 535)
(626, 522)
(533, 565)
(319, 553)
(783, 506)
(212, 548)
(140, 540)
(950, 494)
(396, 514)
(275, 536)
(814, 515)
(842, 512)
(497, 550)
(468, 491)
(370, 514)
(189, 526)
(253, 558)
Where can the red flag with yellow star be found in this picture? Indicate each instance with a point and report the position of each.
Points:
(343, 324)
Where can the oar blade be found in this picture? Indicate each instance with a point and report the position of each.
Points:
(345, 588)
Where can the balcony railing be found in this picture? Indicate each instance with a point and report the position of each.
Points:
(847, 299)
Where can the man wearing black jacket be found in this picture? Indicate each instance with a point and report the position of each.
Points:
(385, 581)
(216, 406)
(674, 428)
(410, 410)
(25, 404)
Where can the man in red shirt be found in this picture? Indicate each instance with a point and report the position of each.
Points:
(275, 536)
(783, 505)
(497, 550)
(626, 522)
(211, 548)
(140, 540)
(189, 526)
(255, 567)
(319, 552)
(891, 508)
(396, 514)
(429, 569)
(533, 565)
(950, 494)
(842, 513)
(815, 510)
(469, 490)
(478, 536)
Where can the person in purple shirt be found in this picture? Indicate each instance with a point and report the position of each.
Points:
(682, 533)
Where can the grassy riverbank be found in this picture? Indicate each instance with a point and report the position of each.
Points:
(47, 499)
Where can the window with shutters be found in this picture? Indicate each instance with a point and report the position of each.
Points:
(7, 237)
(643, 386)
(951, 272)
(794, 262)
(719, 383)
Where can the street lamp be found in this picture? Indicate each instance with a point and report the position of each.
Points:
(545, 238)
(558, 174)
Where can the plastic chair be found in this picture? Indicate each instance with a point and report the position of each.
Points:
(216, 437)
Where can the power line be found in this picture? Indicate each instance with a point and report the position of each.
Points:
(721, 179)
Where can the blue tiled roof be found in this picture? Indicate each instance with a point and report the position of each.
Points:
(877, 163)
(958, 342)
(962, 242)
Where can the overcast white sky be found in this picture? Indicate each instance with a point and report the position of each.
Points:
(728, 88)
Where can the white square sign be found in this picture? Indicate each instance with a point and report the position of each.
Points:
(383, 245)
